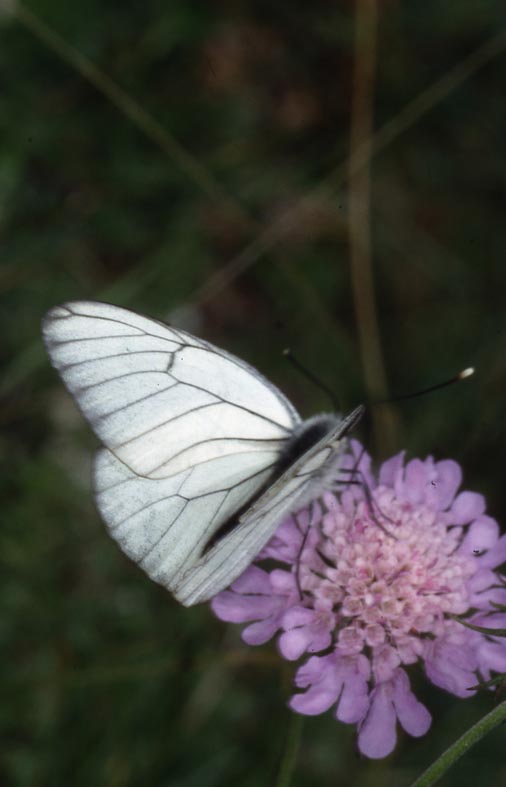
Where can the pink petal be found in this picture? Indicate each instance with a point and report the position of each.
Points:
(492, 657)
(466, 507)
(314, 701)
(496, 556)
(443, 488)
(482, 535)
(483, 587)
(413, 716)
(322, 677)
(282, 582)
(481, 580)
(254, 580)
(391, 469)
(493, 621)
(313, 670)
(485, 598)
(320, 640)
(317, 699)
(377, 735)
(415, 482)
(279, 550)
(386, 659)
(261, 631)
(285, 543)
(354, 700)
(234, 608)
(451, 668)
(288, 529)
(293, 644)
(298, 616)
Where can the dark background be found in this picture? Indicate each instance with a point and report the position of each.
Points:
(240, 111)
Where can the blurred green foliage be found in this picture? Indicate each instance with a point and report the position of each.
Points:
(107, 680)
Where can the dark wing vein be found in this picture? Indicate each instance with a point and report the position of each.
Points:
(60, 342)
(64, 367)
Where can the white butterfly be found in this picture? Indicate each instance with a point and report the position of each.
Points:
(202, 455)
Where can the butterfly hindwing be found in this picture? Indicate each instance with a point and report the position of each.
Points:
(164, 524)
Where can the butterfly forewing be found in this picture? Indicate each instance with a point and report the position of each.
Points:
(160, 399)
(191, 433)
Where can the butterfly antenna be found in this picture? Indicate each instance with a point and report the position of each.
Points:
(312, 377)
(457, 378)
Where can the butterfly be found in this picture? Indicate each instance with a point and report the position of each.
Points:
(201, 455)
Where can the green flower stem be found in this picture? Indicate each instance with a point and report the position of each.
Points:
(461, 746)
(291, 751)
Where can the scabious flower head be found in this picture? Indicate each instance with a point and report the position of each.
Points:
(370, 580)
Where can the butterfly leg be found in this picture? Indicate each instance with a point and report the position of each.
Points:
(355, 477)
(299, 556)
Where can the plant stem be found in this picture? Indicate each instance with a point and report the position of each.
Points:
(291, 751)
(461, 746)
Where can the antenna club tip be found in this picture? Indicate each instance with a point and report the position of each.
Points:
(465, 373)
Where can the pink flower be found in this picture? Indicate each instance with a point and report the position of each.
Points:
(369, 581)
